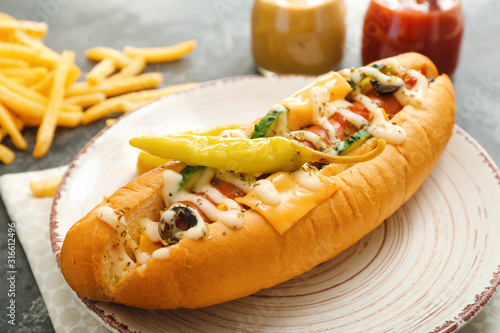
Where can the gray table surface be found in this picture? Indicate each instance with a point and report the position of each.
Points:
(222, 28)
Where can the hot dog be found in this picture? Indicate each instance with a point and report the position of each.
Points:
(200, 234)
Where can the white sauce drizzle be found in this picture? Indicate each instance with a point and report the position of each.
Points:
(313, 138)
(307, 178)
(150, 229)
(342, 107)
(108, 215)
(118, 256)
(358, 74)
(171, 183)
(161, 253)
(266, 191)
(241, 181)
(415, 96)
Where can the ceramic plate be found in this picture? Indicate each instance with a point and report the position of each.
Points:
(430, 267)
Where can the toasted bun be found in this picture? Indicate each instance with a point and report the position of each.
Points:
(234, 263)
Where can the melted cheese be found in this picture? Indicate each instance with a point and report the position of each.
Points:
(299, 104)
(296, 200)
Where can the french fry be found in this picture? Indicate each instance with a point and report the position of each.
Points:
(161, 54)
(32, 112)
(45, 187)
(85, 101)
(20, 104)
(110, 121)
(121, 103)
(68, 119)
(70, 107)
(31, 28)
(3, 132)
(36, 44)
(6, 17)
(30, 74)
(117, 87)
(19, 81)
(7, 156)
(135, 67)
(132, 106)
(10, 127)
(8, 36)
(26, 53)
(44, 86)
(38, 85)
(100, 53)
(12, 63)
(99, 72)
(32, 94)
(17, 122)
(24, 72)
(45, 134)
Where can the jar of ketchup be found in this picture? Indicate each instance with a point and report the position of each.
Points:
(431, 27)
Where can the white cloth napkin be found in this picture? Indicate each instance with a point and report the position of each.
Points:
(68, 314)
(31, 217)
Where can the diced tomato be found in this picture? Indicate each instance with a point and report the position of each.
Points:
(182, 224)
(308, 144)
(226, 188)
(359, 108)
(320, 131)
(388, 102)
(409, 80)
(344, 128)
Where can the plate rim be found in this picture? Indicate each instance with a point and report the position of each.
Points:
(452, 325)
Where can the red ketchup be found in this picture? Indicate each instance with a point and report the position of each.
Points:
(431, 27)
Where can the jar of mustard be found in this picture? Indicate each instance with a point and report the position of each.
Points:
(298, 36)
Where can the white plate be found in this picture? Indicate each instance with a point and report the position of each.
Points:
(430, 267)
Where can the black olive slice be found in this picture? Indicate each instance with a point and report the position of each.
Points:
(182, 212)
(384, 89)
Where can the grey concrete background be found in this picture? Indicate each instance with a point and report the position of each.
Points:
(222, 28)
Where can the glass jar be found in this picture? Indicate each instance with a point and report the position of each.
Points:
(298, 36)
(431, 27)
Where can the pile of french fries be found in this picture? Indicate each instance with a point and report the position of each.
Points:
(38, 87)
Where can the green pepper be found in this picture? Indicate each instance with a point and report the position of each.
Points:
(263, 155)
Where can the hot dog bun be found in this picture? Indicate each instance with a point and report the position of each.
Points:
(234, 263)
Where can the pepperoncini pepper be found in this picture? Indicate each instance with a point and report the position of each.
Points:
(262, 155)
